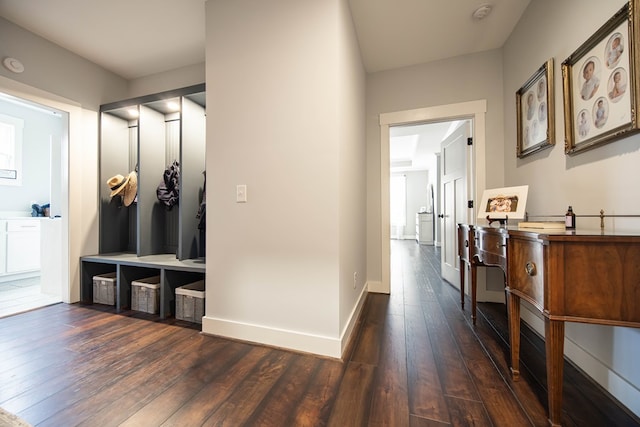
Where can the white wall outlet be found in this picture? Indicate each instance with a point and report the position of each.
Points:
(241, 193)
(355, 279)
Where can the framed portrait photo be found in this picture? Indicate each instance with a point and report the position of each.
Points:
(600, 82)
(505, 202)
(535, 111)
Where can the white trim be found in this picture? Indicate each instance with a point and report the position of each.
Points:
(347, 332)
(283, 338)
(474, 110)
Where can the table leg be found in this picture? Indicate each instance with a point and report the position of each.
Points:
(554, 346)
(463, 267)
(513, 311)
(474, 288)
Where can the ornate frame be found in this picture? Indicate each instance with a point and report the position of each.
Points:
(600, 82)
(536, 115)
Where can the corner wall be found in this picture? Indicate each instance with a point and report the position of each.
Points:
(602, 178)
(276, 264)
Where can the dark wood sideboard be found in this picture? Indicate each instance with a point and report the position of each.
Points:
(569, 276)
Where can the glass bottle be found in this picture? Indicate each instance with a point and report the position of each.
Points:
(570, 219)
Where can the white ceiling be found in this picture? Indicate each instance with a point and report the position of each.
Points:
(137, 38)
(414, 147)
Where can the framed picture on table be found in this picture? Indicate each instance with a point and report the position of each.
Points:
(503, 203)
(535, 112)
(600, 82)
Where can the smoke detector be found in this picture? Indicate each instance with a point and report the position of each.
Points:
(13, 65)
(482, 12)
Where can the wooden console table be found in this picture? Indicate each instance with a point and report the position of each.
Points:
(569, 276)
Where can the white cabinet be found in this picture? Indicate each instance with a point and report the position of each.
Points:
(424, 228)
(20, 245)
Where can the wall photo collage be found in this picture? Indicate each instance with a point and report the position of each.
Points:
(599, 87)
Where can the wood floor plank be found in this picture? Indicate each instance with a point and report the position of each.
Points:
(83, 409)
(79, 377)
(205, 401)
(316, 403)
(286, 394)
(354, 396)
(181, 392)
(240, 405)
(416, 421)
(452, 371)
(390, 401)
(368, 348)
(206, 356)
(425, 391)
(470, 413)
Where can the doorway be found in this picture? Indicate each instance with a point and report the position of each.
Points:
(30, 218)
(414, 170)
(474, 111)
(77, 150)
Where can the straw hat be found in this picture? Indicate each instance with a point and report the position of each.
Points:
(131, 188)
(126, 187)
(117, 184)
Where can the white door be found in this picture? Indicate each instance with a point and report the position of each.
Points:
(454, 158)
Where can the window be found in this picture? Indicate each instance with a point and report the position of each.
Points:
(10, 150)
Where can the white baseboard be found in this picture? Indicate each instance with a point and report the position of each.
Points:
(287, 339)
(281, 338)
(347, 332)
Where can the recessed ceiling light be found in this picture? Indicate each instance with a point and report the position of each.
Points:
(482, 12)
(173, 106)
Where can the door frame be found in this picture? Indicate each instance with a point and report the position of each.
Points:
(74, 176)
(474, 110)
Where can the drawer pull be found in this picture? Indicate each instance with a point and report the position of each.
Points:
(499, 245)
(466, 243)
(530, 268)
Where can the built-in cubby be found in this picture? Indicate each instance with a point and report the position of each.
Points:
(145, 136)
(129, 267)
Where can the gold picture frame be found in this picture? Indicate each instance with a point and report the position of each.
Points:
(536, 112)
(599, 84)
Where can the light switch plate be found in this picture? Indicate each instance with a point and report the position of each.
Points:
(241, 193)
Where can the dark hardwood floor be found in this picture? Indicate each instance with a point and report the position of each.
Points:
(415, 361)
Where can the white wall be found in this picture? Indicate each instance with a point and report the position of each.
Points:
(168, 80)
(350, 136)
(277, 119)
(417, 197)
(602, 178)
(53, 69)
(451, 81)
